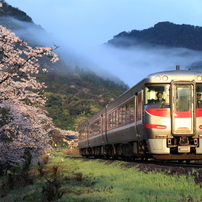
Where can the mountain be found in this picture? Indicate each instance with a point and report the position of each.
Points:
(7, 10)
(162, 34)
(74, 93)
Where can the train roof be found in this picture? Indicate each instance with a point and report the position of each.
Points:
(168, 76)
(176, 72)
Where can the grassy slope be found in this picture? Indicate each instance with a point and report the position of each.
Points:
(81, 180)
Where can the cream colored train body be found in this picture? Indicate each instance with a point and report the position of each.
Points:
(139, 125)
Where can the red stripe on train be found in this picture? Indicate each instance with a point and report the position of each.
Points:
(165, 112)
(186, 114)
(155, 126)
(199, 112)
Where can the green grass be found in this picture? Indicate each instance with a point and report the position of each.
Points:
(81, 180)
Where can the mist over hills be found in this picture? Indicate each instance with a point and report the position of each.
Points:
(162, 34)
(158, 48)
(23, 26)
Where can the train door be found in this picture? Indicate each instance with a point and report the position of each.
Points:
(182, 99)
(139, 114)
(87, 134)
(103, 128)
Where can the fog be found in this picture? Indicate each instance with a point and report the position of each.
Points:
(128, 64)
(133, 64)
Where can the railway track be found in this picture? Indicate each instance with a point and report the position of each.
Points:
(152, 163)
(193, 168)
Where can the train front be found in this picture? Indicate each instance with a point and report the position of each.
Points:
(173, 115)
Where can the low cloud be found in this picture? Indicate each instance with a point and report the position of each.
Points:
(135, 63)
(129, 65)
(73, 56)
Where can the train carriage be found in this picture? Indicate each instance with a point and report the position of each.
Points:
(160, 117)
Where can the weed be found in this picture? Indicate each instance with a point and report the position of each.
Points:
(1, 169)
(27, 160)
(15, 180)
(52, 190)
(55, 171)
(45, 158)
(78, 177)
(71, 152)
(40, 168)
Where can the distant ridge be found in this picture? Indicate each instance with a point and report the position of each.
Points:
(7, 10)
(164, 34)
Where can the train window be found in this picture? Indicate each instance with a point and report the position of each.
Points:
(132, 110)
(199, 95)
(123, 114)
(127, 114)
(157, 95)
(139, 107)
(95, 127)
(110, 120)
(82, 134)
(113, 119)
(120, 115)
(117, 117)
(183, 102)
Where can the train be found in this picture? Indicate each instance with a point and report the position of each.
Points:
(140, 125)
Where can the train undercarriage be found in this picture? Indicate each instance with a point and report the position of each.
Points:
(180, 149)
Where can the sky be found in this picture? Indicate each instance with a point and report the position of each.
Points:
(83, 25)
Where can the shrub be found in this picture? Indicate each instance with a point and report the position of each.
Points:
(71, 152)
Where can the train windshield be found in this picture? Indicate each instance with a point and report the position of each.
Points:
(157, 95)
(199, 95)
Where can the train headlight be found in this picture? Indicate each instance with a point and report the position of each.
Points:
(169, 141)
(195, 141)
(158, 78)
(165, 78)
(199, 78)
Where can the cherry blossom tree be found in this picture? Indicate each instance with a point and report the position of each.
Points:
(24, 127)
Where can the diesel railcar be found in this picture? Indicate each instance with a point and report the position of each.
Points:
(139, 125)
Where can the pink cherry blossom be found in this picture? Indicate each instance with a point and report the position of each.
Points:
(23, 126)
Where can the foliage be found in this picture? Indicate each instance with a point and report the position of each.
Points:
(81, 93)
(15, 178)
(8, 10)
(71, 151)
(25, 128)
(114, 181)
(163, 33)
(75, 179)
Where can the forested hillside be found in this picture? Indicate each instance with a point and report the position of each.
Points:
(76, 94)
(73, 93)
(163, 33)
